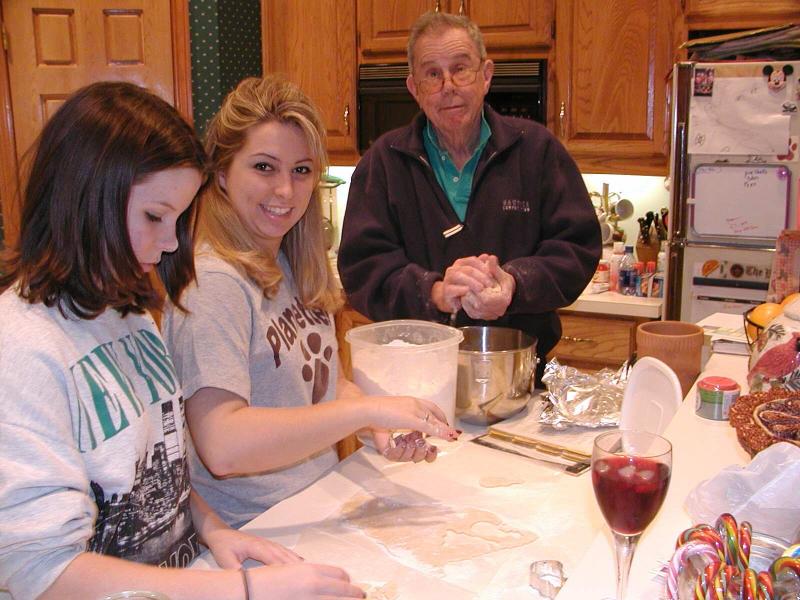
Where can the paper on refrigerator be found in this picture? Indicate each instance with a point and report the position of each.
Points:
(738, 115)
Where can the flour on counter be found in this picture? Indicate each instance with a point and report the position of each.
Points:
(386, 591)
(493, 482)
(434, 534)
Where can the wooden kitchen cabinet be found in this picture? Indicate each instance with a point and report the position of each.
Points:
(612, 62)
(591, 341)
(511, 28)
(313, 43)
(345, 320)
(740, 14)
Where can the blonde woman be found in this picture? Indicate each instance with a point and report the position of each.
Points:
(257, 350)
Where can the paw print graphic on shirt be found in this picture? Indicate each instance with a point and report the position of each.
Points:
(316, 368)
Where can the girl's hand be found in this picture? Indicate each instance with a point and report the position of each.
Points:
(301, 582)
(231, 548)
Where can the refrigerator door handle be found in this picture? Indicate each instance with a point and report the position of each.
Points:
(679, 211)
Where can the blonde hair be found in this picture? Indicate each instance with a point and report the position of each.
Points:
(252, 102)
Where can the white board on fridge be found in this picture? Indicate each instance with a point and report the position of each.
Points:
(742, 201)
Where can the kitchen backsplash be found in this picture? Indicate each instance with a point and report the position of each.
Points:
(646, 194)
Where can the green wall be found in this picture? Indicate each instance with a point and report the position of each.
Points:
(226, 48)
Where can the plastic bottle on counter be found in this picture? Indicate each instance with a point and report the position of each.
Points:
(627, 273)
(661, 262)
(616, 257)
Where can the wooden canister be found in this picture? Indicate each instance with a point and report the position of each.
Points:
(676, 343)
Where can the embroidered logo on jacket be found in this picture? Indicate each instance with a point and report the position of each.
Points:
(515, 205)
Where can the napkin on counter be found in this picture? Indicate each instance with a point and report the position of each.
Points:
(764, 493)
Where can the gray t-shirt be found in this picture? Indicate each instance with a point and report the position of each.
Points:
(92, 453)
(270, 352)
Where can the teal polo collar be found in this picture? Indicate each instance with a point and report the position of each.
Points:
(457, 185)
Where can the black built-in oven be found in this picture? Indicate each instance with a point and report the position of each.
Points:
(384, 103)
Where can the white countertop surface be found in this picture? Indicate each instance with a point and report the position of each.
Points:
(613, 303)
(701, 448)
(558, 508)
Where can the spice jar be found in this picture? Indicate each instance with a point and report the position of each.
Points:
(715, 396)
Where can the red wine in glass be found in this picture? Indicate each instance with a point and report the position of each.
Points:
(630, 491)
(630, 475)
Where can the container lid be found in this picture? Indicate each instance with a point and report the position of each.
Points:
(715, 383)
(404, 336)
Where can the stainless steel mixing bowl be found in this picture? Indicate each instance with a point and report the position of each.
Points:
(495, 373)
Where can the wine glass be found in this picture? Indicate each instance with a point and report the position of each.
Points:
(630, 475)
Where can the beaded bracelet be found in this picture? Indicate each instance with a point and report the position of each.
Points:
(246, 582)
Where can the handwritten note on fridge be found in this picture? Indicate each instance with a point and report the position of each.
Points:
(750, 201)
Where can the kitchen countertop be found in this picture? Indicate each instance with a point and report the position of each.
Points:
(559, 509)
(701, 448)
(613, 303)
(606, 303)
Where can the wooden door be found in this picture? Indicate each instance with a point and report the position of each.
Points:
(54, 47)
(511, 24)
(612, 63)
(313, 43)
(383, 27)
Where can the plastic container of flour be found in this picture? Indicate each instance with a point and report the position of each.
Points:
(407, 358)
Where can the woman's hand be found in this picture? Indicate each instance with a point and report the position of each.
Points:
(231, 548)
(406, 412)
(301, 582)
(405, 447)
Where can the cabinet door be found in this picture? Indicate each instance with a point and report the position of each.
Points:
(736, 14)
(511, 24)
(383, 26)
(313, 43)
(52, 48)
(594, 342)
(612, 62)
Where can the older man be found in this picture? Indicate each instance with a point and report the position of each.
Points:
(466, 212)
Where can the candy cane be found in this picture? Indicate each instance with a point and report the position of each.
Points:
(745, 541)
(765, 590)
(680, 561)
(792, 551)
(749, 585)
(784, 564)
(726, 526)
(703, 533)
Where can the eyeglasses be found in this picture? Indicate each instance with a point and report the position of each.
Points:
(433, 81)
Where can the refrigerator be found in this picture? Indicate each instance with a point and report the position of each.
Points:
(733, 182)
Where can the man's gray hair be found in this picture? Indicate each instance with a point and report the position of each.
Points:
(433, 21)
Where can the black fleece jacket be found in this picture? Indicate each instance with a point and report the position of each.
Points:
(528, 206)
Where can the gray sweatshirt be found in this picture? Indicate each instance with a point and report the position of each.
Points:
(92, 454)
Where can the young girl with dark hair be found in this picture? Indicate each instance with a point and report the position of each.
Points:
(92, 438)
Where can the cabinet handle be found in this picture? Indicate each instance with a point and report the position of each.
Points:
(570, 338)
(561, 113)
(462, 9)
(437, 7)
(347, 119)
